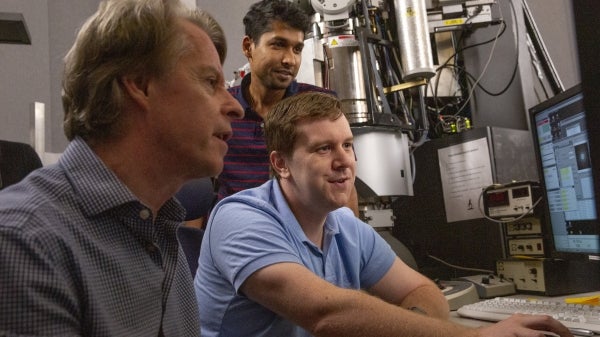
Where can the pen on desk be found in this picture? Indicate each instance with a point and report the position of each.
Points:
(591, 300)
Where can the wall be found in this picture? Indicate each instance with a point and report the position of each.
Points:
(554, 19)
(31, 73)
(231, 21)
(24, 71)
(65, 17)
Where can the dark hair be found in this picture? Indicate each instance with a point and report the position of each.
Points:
(261, 15)
(136, 37)
(281, 121)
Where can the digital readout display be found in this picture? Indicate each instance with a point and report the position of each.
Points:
(520, 192)
(495, 199)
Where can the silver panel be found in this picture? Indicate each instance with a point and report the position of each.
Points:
(383, 167)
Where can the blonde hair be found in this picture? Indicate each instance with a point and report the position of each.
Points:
(139, 38)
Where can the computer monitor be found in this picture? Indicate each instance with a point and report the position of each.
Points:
(561, 142)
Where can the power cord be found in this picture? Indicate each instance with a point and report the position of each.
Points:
(486, 271)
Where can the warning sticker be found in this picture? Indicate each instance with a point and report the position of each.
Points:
(342, 41)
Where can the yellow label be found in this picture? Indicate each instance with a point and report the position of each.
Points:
(454, 22)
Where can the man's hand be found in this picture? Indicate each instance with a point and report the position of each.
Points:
(519, 325)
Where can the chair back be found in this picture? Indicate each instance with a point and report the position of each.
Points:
(197, 197)
(190, 240)
(17, 160)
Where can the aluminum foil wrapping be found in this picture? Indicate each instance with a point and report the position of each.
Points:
(413, 33)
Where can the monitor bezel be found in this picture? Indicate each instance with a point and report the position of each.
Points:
(547, 226)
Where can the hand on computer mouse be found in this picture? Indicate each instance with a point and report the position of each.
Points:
(519, 325)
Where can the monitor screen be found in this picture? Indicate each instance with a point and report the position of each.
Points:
(563, 152)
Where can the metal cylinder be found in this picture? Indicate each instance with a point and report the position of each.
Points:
(345, 76)
(413, 35)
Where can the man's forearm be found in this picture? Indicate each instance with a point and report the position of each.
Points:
(427, 300)
(367, 315)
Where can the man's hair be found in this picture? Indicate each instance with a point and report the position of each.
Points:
(261, 15)
(281, 122)
(139, 38)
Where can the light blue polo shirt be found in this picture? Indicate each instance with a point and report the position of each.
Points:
(255, 228)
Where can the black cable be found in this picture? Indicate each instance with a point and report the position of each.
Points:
(460, 50)
(516, 66)
(512, 78)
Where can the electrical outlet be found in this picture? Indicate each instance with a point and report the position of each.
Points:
(526, 226)
(527, 275)
(529, 246)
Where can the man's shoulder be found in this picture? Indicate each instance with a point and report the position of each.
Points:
(35, 197)
(249, 200)
(306, 87)
(344, 221)
(251, 195)
(234, 90)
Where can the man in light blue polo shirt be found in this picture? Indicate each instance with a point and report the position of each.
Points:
(287, 259)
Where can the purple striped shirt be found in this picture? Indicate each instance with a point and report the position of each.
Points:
(247, 161)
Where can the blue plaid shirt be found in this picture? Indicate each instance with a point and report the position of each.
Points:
(80, 255)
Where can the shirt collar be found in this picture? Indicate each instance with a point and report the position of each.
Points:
(97, 187)
(280, 203)
(291, 90)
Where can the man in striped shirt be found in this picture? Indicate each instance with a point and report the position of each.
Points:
(273, 43)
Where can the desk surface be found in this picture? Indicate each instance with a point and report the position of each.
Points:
(454, 317)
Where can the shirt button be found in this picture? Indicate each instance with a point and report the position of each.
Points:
(144, 214)
(150, 247)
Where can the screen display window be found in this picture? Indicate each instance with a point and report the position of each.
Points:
(564, 151)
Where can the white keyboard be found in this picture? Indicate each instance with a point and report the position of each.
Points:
(581, 319)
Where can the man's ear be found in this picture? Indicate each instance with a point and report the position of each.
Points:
(137, 89)
(247, 47)
(279, 164)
